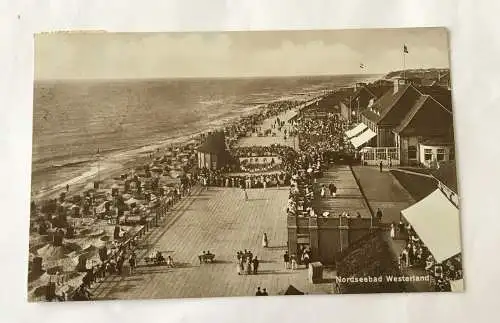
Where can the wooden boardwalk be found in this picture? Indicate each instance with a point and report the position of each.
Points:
(349, 197)
(219, 220)
(279, 139)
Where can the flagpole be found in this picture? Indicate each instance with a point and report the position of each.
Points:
(404, 63)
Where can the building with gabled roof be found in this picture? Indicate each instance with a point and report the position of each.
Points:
(416, 120)
(363, 96)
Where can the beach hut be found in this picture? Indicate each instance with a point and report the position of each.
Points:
(213, 154)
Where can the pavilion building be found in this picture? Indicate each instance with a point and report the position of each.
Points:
(213, 153)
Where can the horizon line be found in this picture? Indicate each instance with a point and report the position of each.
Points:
(202, 77)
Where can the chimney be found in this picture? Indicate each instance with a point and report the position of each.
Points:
(397, 83)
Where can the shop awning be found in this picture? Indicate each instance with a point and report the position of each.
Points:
(356, 130)
(363, 138)
(436, 221)
(293, 115)
(457, 285)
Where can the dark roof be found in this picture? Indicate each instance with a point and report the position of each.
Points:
(438, 93)
(413, 111)
(329, 101)
(393, 107)
(369, 91)
(291, 290)
(427, 118)
(399, 109)
(447, 174)
(214, 144)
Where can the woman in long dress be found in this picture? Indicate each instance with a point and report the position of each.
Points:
(393, 231)
(239, 266)
(249, 266)
(264, 240)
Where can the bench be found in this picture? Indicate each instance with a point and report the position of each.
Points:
(207, 258)
(155, 260)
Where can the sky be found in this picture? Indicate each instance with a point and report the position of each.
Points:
(101, 55)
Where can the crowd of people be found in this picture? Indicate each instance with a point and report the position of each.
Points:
(260, 292)
(319, 135)
(247, 263)
(298, 170)
(416, 255)
(251, 124)
(303, 257)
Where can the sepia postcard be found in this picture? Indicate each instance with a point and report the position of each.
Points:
(181, 165)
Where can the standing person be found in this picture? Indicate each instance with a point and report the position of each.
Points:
(255, 265)
(380, 166)
(249, 266)
(379, 214)
(323, 191)
(334, 190)
(393, 230)
(67, 187)
(238, 266)
(293, 258)
(242, 266)
(265, 242)
(131, 262)
(306, 259)
(245, 194)
(286, 260)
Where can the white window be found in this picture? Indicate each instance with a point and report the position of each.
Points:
(440, 154)
(428, 154)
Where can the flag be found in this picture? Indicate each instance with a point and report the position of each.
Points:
(361, 65)
(405, 49)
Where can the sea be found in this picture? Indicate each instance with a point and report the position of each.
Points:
(73, 120)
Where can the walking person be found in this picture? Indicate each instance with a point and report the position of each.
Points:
(255, 263)
(265, 241)
(245, 194)
(323, 191)
(379, 214)
(131, 262)
(293, 258)
(286, 260)
(306, 259)
(380, 166)
(393, 231)
(239, 266)
(249, 266)
(242, 266)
